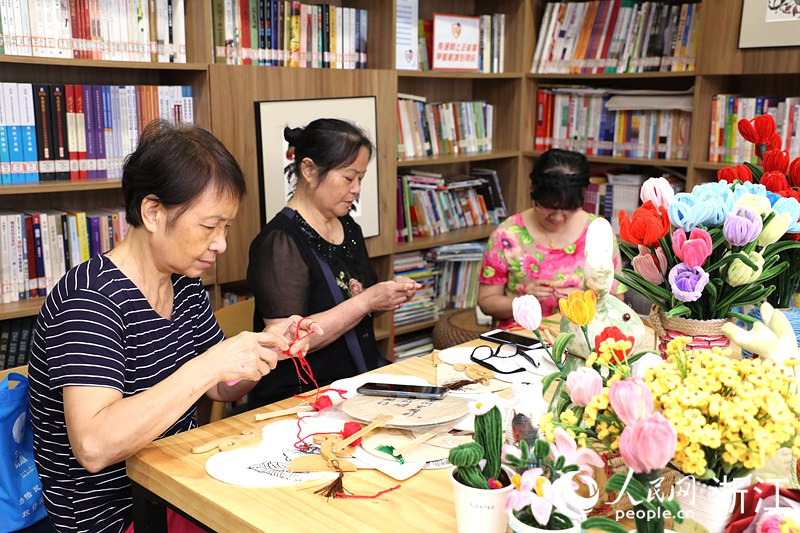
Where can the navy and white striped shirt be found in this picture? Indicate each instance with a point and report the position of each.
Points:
(96, 329)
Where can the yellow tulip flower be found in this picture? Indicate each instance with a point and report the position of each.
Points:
(579, 307)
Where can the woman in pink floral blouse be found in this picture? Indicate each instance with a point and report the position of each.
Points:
(540, 251)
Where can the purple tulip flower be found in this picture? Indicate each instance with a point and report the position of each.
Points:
(687, 283)
(742, 226)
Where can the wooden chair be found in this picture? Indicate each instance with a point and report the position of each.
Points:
(232, 320)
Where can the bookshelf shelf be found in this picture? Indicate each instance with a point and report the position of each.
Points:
(678, 163)
(451, 237)
(459, 158)
(419, 326)
(61, 186)
(708, 165)
(457, 75)
(101, 64)
(21, 309)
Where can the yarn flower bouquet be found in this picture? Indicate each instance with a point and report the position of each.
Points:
(720, 256)
(730, 415)
(780, 175)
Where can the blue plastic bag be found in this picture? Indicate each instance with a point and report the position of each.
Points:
(21, 502)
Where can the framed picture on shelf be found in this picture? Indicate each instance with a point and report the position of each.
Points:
(768, 23)
(277, 179)
(456, 42)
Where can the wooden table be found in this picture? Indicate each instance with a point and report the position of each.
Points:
(167, 473)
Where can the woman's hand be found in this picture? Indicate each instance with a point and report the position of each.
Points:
(296, 331)
(248, 355)
(542, 289)
(389, 295)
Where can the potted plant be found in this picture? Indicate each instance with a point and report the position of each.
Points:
(480, 482)
(546, 493)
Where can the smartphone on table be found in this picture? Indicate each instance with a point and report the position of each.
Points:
(505, 337)
(427, 392)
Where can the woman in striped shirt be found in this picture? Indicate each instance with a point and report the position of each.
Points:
(126, 343)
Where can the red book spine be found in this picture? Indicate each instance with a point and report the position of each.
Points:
(72, 141)
(80, 133)
(244, 40)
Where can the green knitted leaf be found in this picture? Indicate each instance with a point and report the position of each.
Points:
(467, 454)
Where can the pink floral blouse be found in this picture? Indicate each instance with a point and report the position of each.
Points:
(513, 259)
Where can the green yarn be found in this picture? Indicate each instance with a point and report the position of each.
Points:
(472, 476)
(465, 455)
(489, 434)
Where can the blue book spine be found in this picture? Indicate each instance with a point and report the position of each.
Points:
(99, 131)
(5, 155)
(108, 130)
(274, 45)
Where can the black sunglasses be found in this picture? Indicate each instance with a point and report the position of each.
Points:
(483, 355)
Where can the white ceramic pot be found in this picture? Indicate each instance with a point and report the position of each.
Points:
(711, 507)
(519, 527)
(480, 510)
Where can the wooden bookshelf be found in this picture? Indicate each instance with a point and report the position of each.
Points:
(60, 186)
(418, 326)
(225, 95)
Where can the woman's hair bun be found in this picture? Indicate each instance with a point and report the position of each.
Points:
(292, 135)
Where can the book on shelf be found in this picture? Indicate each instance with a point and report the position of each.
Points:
(431, 205)
(457, 283)
(422, 307)
(412, 345)
(135, 30)
(38, 246)
(289, 33)
(606, 123)
(429, 129)
(617, 36)
(15, 341)
(75, 132)
(725, 143)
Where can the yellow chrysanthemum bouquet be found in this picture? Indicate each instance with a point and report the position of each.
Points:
(731, 415)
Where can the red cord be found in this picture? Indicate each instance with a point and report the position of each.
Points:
(365, 497)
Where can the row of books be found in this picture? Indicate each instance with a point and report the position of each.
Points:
(422, 307)
(582, 121)
(425, 129)
(113, 30)
(460, 266)
(428, 204)
(289, 34)
(725, 143)
(617, 36)
(77, 132)
(15, 341)
(38, 247)
(491, 44)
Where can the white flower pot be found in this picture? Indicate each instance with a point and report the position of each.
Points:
(519, 527)
(480, 510)
(711, 507)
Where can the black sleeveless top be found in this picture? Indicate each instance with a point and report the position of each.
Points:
(286, 279)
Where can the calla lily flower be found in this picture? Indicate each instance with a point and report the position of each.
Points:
(584, 458)
(791, 207)
(741, 274)
(774, 229)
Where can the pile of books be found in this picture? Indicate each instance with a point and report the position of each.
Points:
(430, 204)
(422, 307)
(440, 128)
(38, 247)
(412, 345)
(460, 264)
(78, 132)
(15, 341)
(135, 30)
(617, 36)
(282, 33)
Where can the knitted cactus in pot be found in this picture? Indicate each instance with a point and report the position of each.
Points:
(478, 462)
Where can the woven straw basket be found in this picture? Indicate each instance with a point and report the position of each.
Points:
(704, 333)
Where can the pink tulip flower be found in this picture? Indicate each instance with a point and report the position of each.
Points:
(584, 458)
(631, 399)
(649, 444)
(527, 311)
(694, 251)
(584, 384)
(650, 267)
(657, 190)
